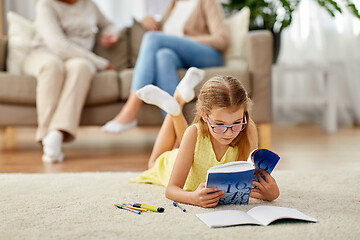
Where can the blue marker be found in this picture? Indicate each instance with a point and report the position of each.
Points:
(177, 205)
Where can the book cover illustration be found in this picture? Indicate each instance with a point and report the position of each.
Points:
(236, 185)
(235, 178)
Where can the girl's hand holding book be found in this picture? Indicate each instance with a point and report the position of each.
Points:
(267, 188)
(207, 197)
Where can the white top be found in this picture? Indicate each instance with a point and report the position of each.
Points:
(174, 25)
(69, 30)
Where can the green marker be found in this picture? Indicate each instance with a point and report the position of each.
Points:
(148, 207)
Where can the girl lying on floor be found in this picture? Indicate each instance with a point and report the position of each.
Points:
(222, 131)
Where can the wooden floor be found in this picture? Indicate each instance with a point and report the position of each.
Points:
(97, 151)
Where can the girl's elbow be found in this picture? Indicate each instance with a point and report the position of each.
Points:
(167, 193)
(170, 192)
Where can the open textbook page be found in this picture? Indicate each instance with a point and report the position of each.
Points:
(261, 215)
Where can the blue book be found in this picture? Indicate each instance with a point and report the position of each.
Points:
(235, 178)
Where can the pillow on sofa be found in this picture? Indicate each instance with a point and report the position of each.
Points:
(20, 34)
(136, 33)
(238, 27)
(118, 54)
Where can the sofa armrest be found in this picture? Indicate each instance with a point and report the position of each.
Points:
(260, 55)
(3, 44)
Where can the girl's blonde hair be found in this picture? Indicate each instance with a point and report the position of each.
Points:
(225, 92)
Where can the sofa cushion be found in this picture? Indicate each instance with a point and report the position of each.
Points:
(21, 89)
(238, 27)
(104, 88)
(118, 54)
(125, 77)
(21, 32)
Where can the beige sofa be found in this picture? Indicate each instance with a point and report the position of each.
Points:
(110, 89)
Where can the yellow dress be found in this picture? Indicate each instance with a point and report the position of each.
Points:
(204, 158)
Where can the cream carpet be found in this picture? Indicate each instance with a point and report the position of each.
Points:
(80, 206)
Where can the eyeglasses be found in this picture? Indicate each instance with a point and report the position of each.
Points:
(238, 127)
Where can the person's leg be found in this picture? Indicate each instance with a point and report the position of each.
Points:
(79, 73)
(171, 131)
(126, 118)
(154, 95)
(175, 124)
(48, 70)
(190, 53)
(65, 120)
(167, 64)
(179, 121)
(144, 74)
(167, 79)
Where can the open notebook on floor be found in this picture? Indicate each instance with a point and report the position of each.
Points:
(261, 215)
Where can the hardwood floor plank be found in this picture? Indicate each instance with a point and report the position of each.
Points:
(299, 146)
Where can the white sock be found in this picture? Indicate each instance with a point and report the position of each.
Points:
(52, 159)
(52, 144)
(186, 86)
(154, 95)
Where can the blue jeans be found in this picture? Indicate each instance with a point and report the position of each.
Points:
(161, 55)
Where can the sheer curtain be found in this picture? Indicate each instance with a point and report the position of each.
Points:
(315, 37)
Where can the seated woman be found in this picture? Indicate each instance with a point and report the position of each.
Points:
(194, 35)
(63, 64)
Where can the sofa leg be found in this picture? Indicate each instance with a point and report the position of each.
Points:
(9, 138)
(264, 131)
